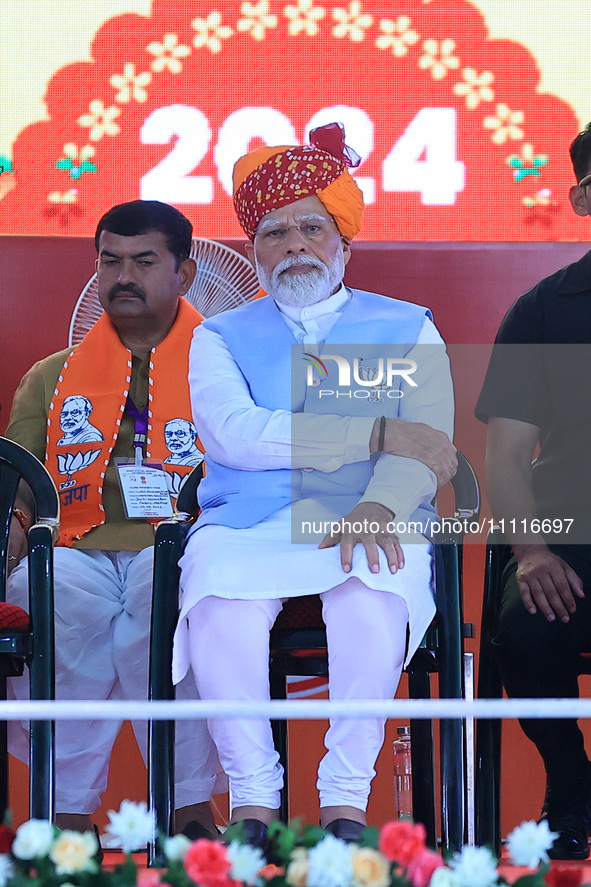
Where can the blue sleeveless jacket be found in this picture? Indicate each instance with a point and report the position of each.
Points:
(275, 369)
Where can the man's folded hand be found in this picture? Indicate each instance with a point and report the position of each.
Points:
(416, 440)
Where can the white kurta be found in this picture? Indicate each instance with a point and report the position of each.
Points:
(261, 561)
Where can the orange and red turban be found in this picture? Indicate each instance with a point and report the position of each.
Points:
(269, 178)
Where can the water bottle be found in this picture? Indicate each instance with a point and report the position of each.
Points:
(402, 774)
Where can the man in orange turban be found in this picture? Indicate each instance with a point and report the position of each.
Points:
(270, 178)
(286, 444)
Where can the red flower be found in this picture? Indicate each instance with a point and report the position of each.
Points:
(207, 864)
(422, 866)
(6, 838)
(564, 876)
(401, 841)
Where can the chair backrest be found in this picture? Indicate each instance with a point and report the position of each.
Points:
(16, 464)
(466, 490)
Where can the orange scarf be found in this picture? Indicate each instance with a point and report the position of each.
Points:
(86, 410)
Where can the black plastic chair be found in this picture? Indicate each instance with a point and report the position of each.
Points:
(32, 643)
(170, 536)
(442, 651)
(298, 647)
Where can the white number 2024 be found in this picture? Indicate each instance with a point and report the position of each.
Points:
(422, 160)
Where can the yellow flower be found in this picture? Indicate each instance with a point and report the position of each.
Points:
(370, 868)
(256, 19)
(352, 23)
(438, 57)
(297, 870)
(100, 120)
(476, 87)
(69, 196)
(168, 54)
(131, 85)
(304, 16)
(73, 852)
(397, 35)
(210, 32)
(506, 124)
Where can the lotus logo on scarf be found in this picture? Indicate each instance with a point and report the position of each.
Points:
(70, 463)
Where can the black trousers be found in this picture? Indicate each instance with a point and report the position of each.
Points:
(538, 658)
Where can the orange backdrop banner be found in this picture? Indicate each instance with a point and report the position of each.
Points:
(456, 141)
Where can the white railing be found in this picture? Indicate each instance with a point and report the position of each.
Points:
(306, 709)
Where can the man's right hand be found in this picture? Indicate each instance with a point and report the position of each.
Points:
(17, 545)
(547, 583)
(419, 441)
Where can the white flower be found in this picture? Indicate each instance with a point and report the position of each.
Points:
(133, 826)
(176, 847)
(444, 877)
(475, 867)
(246, 862)
(528, 843)
(329, 863)
(6, 868)
(33, 839)
(73, 852)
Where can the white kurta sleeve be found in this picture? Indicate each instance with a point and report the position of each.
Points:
(238, 433)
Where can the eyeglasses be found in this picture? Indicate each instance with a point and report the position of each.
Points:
(586, 180)
(314, 231)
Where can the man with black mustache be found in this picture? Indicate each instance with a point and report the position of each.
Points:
(130, 371)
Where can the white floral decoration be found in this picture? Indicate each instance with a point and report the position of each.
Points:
(100, 120)
(167, 54)
(131, 85)
(475, 87)
(257, 19)
(133, 826)
(529, 842)
(474, 867)
(541, 198)
(330, 864)
(246, 862)
(78, 154)
(444, 877)
(438, 57)
(352, 23)
(210, 32)
(69, 196)
(505, 123)
(176, 847)
(304, 18)
(6, 868)
(33, 839)
(397, 36)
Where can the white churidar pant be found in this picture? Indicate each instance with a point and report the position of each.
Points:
(102, 629)
(229, 642)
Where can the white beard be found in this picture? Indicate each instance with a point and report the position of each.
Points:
(299, 290)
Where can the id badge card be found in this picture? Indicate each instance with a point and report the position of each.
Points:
(144, 490)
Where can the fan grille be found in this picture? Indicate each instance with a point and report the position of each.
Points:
(224, 280)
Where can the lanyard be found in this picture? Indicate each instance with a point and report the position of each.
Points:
(141, 427)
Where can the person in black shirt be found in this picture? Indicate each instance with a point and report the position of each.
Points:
(535, 404)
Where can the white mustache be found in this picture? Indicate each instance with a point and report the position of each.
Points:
(292, 261)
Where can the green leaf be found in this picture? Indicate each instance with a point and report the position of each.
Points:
(370, 838)
(312, 835)
(64, 163)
